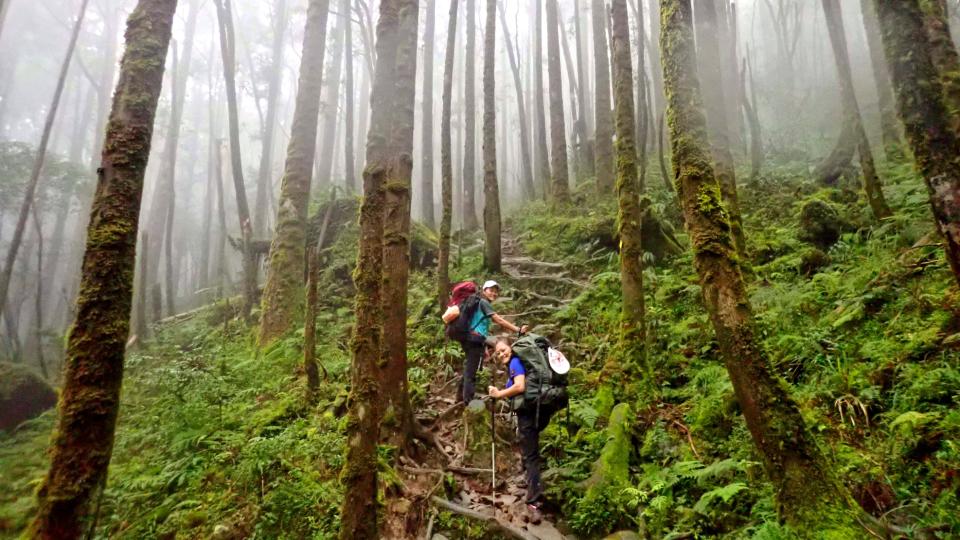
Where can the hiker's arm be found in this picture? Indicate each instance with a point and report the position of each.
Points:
(508, 325)
(519, 385)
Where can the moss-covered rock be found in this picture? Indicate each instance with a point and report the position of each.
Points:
(820, 223)
(23, 395)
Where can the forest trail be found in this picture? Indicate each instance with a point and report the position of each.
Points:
(534, 288)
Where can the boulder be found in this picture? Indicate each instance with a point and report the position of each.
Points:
(24, 395)
(820, 224)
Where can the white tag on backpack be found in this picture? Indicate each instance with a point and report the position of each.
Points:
(558, 362)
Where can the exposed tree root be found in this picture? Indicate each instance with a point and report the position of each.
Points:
(489, 519)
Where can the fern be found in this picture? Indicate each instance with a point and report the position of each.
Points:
(724, 493)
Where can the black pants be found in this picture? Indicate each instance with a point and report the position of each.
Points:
(529, 427)
(471, 363)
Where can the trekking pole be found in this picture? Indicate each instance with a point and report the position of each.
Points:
(493, 451)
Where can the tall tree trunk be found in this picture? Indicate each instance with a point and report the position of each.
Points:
(38, 161)
(525, 158)
(560, 185)
(718, 130)
(330, 107)
(656, 63)
(227, 52)
(641, 104)
(603, 145)
(923, 108)
(90, 397)
(426, 170)
(753, 120)
(265, 174)
(889, 126)
(491, 189)
(359, 509)
(446, 161)
(578, 133)
(871, 182)
(283, 293)
(629, 219)
(944, 54)
(396, 227)
(539, 114)
(171, 163)
(349, 162)
(809, 497)
(470, 122)
(585, 158)
(38, 298)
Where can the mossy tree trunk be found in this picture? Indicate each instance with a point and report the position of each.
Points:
(924, 108)
(539, 113)
(526, 163)
(718, 130)
(491, 189)
(446, 160)
(283, 293)
(426, 171)
(560, 181)
(603, 143)
(944, 54)
(41, 154)
(851, 110)
(470, 122)
(90, 396)
(396, 243)
(629, 219)
(228, 53)
(889, 126)
(641, 104)
(808, 495)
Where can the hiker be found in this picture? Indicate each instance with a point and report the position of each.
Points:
(475, 331)
(530, 422)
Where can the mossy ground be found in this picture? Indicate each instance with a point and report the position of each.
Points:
(214, 438)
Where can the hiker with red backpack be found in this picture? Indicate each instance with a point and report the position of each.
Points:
(468, 319)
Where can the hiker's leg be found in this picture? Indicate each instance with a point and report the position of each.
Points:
(470, 365)
(530, 452)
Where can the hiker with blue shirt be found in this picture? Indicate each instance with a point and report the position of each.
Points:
(530, 422)
(479, 328)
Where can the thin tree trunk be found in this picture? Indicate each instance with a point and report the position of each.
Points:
(227, 51)
(871, 182)
(222, 270)
(629, 219)
(38, 298)
(173, 137)
(359, 508)
(526, 162)
(809, 497)
(491, 189)
(661, 156)
(330, 107)
(558, 132)
(642, 110)
(539, 115)
(944, 54)
(578, 134)
(923, 108)
(141, 326)
(349, 162)
(426, 170)
(753, 120)
(603, 145)
(889, 126)
(718, 130)
(585, 157)
(470, 122)
(283, 293)
(265, 174)
(310, 325)
(396, 228)
(90, 397)
(656, 64)
(446, 162)
(38, 160)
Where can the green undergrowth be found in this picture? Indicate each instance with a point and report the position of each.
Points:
(217, 440)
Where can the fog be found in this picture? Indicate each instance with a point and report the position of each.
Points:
(791, 82)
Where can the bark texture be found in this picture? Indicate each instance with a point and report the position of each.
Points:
(283, 292)
(491, 189)
(470, 122)
(603, 145)
(808, 496)
(539, 113)
(560, 184)
(632, 325)
(944, 54)
(923, 108)
(718, 130)
(93, 373)
(349, 162)
(426, 171)
(446, 161)
(871, 182)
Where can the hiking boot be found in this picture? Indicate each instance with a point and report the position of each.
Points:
(534, 515)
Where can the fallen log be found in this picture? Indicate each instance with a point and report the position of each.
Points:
(490, 519)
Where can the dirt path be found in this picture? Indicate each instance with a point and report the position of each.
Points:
(460, 439)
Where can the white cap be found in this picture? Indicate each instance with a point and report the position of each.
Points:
(490, 284)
